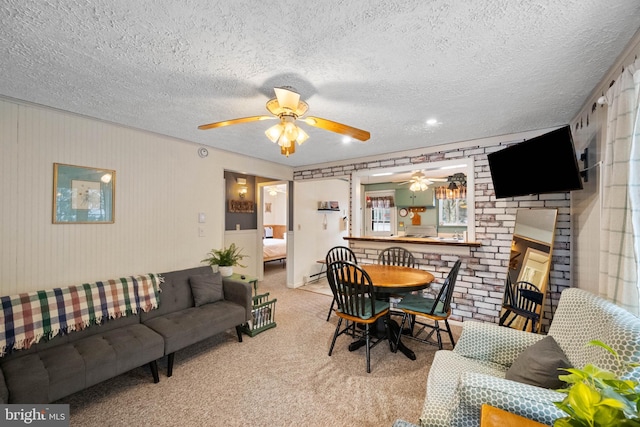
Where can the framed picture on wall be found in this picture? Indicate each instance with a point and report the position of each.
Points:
(83, 195)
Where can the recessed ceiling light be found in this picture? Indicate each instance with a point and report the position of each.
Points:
(432, 122)
(346, 139)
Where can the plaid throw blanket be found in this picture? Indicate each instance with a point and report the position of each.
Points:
(27, 318)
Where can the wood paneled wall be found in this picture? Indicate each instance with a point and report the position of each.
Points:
(161, 186)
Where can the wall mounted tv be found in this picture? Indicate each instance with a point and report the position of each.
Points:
(544, 164)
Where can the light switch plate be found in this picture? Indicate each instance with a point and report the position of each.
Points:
(202, 218)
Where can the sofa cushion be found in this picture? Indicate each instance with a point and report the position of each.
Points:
(185, 327)
(206, 288)
(48, 375)
(175, 292)
(540, 365)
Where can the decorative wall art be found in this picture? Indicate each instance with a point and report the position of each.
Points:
(241, 206)
(83, 195)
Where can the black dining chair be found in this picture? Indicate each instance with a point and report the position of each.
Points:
(396, 255)
(521, 299)
(417, 307)
(337, 253)
(354, 294)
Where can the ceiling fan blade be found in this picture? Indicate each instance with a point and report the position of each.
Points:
(332, 126)
(234, 122)
(287, 98)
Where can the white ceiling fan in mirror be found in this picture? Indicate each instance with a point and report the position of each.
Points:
(420, 182)
(274, 190)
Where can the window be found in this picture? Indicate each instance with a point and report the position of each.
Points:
(452, 212)
(380, 213)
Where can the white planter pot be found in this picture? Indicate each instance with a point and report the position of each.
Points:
(225, 271)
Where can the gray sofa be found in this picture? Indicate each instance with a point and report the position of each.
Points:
(65, 364)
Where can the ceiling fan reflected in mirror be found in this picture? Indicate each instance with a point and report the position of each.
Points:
(273, 190)
(420, 182)
(288, 108)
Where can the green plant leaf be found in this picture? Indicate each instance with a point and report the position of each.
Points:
(597, 397)
(599, 343)
(568, 422)
(583, 399)
(607, 416)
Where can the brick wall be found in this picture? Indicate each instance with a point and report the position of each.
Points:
(480, 284)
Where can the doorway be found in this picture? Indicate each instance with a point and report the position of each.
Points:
(273, 227)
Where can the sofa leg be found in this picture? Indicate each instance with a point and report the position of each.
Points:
(239, 331)
(154, 371)
(170, 364)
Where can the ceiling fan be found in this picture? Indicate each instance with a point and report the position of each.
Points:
(273, 190)
(420, 182)
(287, 107)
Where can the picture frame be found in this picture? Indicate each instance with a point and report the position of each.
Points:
(83, 195)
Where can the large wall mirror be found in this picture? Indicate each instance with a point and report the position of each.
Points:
(529, 266)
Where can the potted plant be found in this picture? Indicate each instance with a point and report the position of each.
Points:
(225, 259)
(596, 397)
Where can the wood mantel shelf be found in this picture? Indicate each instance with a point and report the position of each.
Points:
(414, 240)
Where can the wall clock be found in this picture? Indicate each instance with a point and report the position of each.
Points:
(403, 212)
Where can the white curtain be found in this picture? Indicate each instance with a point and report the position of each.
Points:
(620, 231)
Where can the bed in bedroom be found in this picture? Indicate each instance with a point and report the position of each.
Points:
(274, 243)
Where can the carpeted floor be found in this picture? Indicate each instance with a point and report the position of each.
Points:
(320, 286)
(281, 377)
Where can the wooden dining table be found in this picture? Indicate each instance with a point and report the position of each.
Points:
(395, 278)
(390, 279)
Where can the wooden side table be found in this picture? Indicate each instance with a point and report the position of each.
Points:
(495, 417)
(247, 279)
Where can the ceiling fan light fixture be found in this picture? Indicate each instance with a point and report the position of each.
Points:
(286, 151)
(302, 136)
(284, 141)
(274, 132)
(290, 131)
(418, 186)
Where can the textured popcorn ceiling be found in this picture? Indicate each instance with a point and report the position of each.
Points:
(481, 68)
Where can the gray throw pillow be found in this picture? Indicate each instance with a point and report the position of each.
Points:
(206, 288)
(539, 365)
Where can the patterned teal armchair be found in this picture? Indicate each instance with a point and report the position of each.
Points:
(460, 381)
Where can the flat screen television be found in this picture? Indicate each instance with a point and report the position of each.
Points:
(544, 164)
